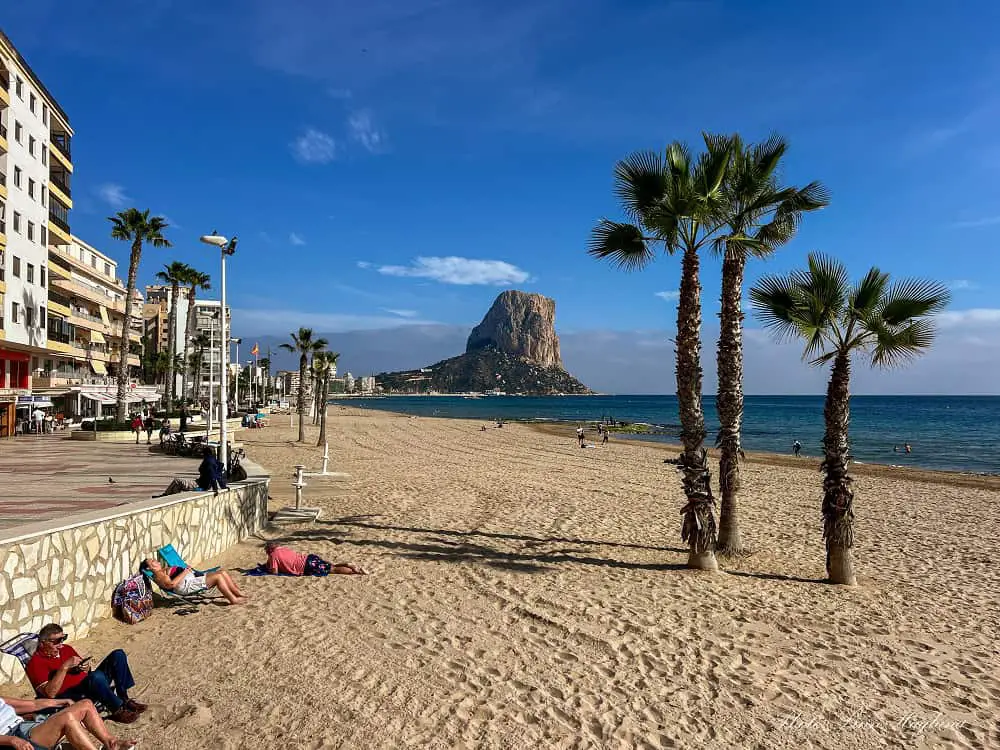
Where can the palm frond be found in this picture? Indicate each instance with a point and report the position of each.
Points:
(641, 181)
(913, 298)
(895, 347)
(767, 154)
(867, 293)
(622, 244)
(774, 300)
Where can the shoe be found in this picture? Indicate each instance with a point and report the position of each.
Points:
(124, 716)
(133, 705)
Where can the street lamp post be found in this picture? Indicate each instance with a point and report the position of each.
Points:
(228, 247)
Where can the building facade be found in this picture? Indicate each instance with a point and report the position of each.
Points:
(207, 376)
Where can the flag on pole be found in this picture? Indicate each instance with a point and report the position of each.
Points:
(256, 350)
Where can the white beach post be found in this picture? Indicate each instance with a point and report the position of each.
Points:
(326, 456)
(298, 514)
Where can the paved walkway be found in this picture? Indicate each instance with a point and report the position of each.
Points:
(50, 476)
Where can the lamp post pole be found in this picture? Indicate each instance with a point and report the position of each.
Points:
(237, 342)
(228, 247)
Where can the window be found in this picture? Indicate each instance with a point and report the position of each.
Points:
(45, 155)
(45, 196)
(41, 316)
(29, 317)
(45, 114)
(18, 130)
(107, 269)
(31, 188)
(31, 234)
(13, 311)
(43, 239)
(31, 273)
(17, 177)
(19, 87)
(17, 222)
(32, 102)
(17, 267)
(41, 271)
(93, 261)
(31, 145)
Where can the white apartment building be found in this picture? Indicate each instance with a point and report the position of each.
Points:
(207, 324)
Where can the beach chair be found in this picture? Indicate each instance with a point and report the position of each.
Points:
(171, 557)
(23, 647)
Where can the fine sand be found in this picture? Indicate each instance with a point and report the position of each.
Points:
(530, 594)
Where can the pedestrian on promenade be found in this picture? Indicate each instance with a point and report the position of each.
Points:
(149, 426)
(137, 427)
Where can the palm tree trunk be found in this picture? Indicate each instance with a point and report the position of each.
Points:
(729, 401)
(188, 329)
(302, 398)
(698, 526)
(322, 417)
(838, 499)
(133, 270)
(172, 346)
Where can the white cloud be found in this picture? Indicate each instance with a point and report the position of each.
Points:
(364, 264)
(364, 131)
(973, 317)
(314, 147)
(296, 239)
(985, 221)
(667, 296)
(454, 270)
(401, 313)
(113, 194)
(962, 285)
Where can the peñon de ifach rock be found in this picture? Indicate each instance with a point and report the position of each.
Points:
(514, 350)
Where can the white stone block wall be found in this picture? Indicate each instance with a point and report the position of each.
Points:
(66, 573)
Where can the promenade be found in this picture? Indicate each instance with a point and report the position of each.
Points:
(50, 476)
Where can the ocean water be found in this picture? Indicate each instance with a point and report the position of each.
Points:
(951, 433)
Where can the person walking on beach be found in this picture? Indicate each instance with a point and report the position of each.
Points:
(797, 448)
(604, 436)
(579, 436)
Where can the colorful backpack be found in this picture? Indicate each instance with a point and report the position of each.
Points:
(132, 600)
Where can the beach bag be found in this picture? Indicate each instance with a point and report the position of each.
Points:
(132, 600)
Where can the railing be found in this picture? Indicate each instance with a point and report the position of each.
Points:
(63, 142)
(80, 313)
(61, 185)
(59, 221)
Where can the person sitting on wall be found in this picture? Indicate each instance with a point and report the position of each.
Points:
(77, 722)
(56, 670)
(211, 475)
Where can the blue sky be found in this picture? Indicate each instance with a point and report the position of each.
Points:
(344, 142)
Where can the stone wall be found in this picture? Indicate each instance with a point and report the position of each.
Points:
(66, 571)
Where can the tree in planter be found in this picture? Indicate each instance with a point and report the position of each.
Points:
(305, 345)
(676, 202)
(138, 228)
(194, 280)
(173, 275)
(890, 323)
(760, 216)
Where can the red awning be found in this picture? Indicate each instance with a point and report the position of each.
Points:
(14, 356)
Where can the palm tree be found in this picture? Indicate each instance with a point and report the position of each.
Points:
(889, 323)
(329, 368)
(195, 280)
(196, 358)
(676, 202)
(137, 227)
(174, 275)
(303, 343)
(761, 215)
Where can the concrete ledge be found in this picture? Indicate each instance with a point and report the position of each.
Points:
(65, 571)
(125, 436)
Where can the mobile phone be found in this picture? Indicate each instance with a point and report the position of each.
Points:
(84, 660)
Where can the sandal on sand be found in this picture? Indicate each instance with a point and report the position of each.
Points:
(122, 745)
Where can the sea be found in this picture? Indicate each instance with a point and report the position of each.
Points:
(948, 433)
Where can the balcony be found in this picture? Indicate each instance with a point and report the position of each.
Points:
(70, 287)
(59, 221)
(3, 184)
(61, 141)
(63, 185)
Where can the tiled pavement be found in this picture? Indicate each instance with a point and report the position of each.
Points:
(50, 476)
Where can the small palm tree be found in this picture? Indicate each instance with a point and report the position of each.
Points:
(760, 216)
(305, 345)
(889, 323)
(329, 369)
(676, 202)
(194, 280)
(174, 275)
(137, 227)
(199, 345)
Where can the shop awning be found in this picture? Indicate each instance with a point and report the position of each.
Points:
(98, 367)
(37, 404)
(101, 398)
(96, 337)
(104, 315)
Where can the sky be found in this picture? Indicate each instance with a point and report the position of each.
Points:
(394, 163)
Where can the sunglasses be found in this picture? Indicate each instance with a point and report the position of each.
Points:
(60, 639)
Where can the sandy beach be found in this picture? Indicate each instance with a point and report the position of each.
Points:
(530, 594)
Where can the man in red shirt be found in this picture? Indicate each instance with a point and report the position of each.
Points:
(57, 671)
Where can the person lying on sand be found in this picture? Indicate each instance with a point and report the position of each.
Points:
(76, 722)
(288, 561)
(185, 581)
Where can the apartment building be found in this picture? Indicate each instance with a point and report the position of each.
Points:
(35, 169)
(208, 329)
